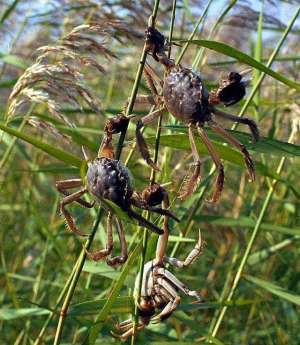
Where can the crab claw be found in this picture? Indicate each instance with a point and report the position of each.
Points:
(232, 89)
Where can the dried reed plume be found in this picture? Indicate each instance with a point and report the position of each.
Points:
(56, 78)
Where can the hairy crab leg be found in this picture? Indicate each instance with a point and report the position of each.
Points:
(167, 311)
(100, 254)
(162, 241)
(124, 325)
(192, 182)
(68, 200)
(124, 253)
(129, 333)
(152, 77)
(62, 187)
(249, 163)
(145, 99)
(244, 120)
(178, 284)
(220, 178)
(191, 258)
(141, 143)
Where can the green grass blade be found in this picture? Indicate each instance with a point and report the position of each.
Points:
(59, 154)
(181, 142)
(13, 60)
(8, 11)
(9, 314)
(120, 305)
(264, 145)
(274, 289)
(245, 222)
(101, 317)
(244, 58)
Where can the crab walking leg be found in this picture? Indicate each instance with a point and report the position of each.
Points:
(217, 161)
(129, 333)
(178, 284)
(68, 200)
(192, 182)
(191, 258)
(124, 325)
(113, 261)
(151, 77)
(142, 145)
(162, 241)
(244, 120)
(145, 99)
(100, 254)
(249, 163)
(167, 311)
(163, 212)
(62, 187)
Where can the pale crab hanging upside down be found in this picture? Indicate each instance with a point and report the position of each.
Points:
(109, 179)
(184, 95)
(160, 288)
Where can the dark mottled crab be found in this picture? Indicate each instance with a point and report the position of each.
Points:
(185, 96)
(160, 288)
(109, 179)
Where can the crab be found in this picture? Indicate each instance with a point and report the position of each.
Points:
(184, 95)
(108, 179)
(160, 288)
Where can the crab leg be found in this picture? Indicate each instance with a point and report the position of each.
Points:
(124, 325)
(141, 143)
(68, 200)
(129, 333)
(244, 120)
(249, 163)
(167, 311)
(62, 187)
(151, 77)
(192, 183)
(191, 258)
(124, 254)
(100, 254)
(162, 241)
(178, 284)
(217, 161)
(145, 99)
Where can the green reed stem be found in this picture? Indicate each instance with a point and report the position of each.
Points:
(200, 53)
(271, 188)
(269, 63)
(152, 181)
(137, 81)
(74, 280)
(250, 244)
(193, 33)
(82, 257)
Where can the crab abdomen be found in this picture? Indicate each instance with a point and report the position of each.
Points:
(185, 95)
(110, 179)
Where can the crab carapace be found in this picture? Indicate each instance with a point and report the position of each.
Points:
(184, 95)
(107, 178)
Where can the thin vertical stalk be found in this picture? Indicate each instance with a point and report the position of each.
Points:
(193, 33)
(137, 81)
(152, 181)
(200, 53)
(73, 282)
(82, 257)
(269, 63)
(271, 188)
(251, 241)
